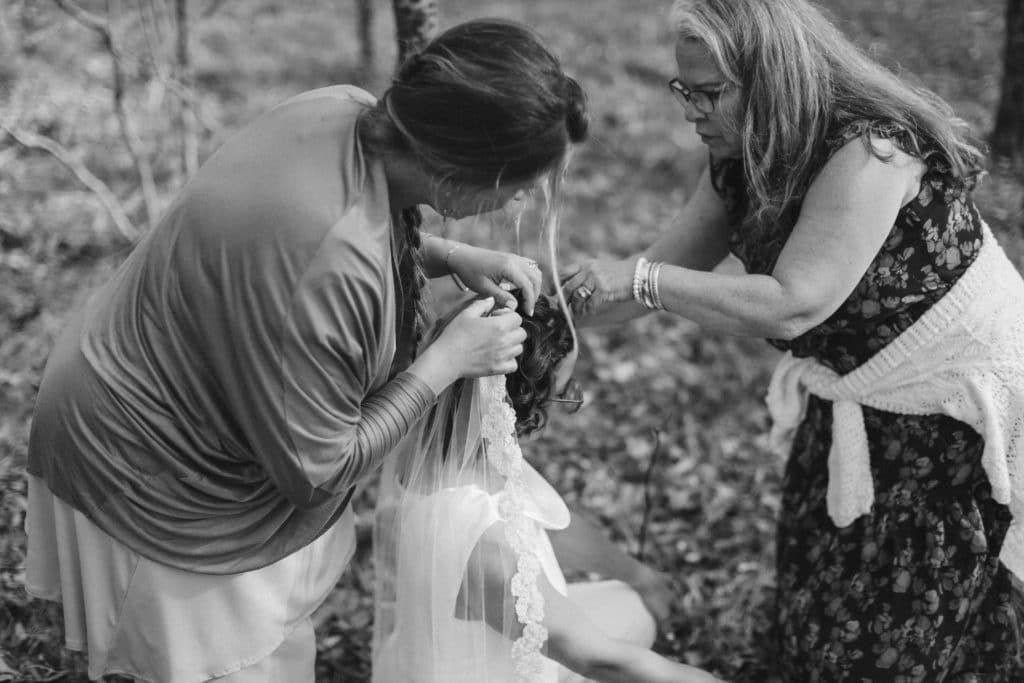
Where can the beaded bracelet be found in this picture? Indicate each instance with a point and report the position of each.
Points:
(641, 267)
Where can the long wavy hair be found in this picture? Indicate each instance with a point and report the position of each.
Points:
(484, 103)
(801, 80)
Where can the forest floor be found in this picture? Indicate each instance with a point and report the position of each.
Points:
(669, 452)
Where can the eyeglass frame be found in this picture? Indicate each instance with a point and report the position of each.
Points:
(686, 96)
(571, 404)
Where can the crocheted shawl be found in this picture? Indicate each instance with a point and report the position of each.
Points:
(963, 358)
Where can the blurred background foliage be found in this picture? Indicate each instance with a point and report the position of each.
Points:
(668, 454)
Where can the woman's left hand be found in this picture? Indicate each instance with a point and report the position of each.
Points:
(598, 283)
(485, 271)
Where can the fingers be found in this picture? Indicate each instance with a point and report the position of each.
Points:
(571, 282)
(504, 297)
(509, 344)
(581, 299)
(479, 308)
(525, 275)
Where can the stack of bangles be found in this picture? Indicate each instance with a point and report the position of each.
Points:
(645, 284)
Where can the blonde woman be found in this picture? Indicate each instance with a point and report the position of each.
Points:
(846, 194)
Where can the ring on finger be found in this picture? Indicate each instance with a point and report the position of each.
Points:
(582, 293)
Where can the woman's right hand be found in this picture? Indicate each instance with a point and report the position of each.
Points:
(476, 343)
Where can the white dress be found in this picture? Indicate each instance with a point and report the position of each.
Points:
(143, 619)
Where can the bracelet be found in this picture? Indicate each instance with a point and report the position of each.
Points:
(455, 278)
(655, 292)
(649, 287)
(646, 291)
(641, 267)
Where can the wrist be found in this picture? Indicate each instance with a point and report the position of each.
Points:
(449, 266)
(434, 370)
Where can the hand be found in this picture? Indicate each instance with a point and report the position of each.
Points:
(656, 592)
(485, 271)
(476, 343)
(598, 283)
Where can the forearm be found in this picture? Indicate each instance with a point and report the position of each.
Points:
(745, 305)
(630, 663)
(388, 414)
(620, 661)
(435, 250)
(385, 418)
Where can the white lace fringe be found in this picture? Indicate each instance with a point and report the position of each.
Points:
(499, 430)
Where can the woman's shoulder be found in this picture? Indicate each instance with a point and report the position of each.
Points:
(887, 139)
(865, 152)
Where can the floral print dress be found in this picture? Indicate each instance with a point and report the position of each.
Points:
(913, 591)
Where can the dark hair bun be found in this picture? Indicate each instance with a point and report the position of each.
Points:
(410, 67)
(576, 120)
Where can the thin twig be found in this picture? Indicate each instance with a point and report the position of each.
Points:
(648, 499)
(31, 140)
(131, 139)
(186, 118)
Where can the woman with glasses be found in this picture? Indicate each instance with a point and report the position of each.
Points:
(846, 194)
(455, 600)
(204, 420)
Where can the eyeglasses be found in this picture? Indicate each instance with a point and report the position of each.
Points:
(571, 398)
(703, 101)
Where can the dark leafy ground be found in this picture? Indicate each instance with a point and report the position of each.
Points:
(668, 453)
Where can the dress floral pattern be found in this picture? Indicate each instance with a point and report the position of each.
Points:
(913, 591)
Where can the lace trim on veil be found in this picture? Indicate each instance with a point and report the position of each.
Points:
(503, 452)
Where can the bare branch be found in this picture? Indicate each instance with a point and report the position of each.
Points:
(131, 140)
(83, 17)
(31, 140)
(187, 117)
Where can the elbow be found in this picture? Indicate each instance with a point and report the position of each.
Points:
(796, 318)
(792, 325)
(789, 329)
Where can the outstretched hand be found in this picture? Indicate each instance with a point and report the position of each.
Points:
(599, 283)
(493, 273)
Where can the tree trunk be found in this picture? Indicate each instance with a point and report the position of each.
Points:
(364, 9)
(187, 118)
(416, 23)
(1008, 136)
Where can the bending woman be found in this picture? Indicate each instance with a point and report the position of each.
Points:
(203, 420)
(468, 540)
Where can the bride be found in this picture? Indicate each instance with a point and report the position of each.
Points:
(468, 583)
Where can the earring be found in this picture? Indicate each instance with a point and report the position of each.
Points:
(446, 213)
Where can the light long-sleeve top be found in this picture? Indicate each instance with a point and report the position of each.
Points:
(963, 358)
(214, 404)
